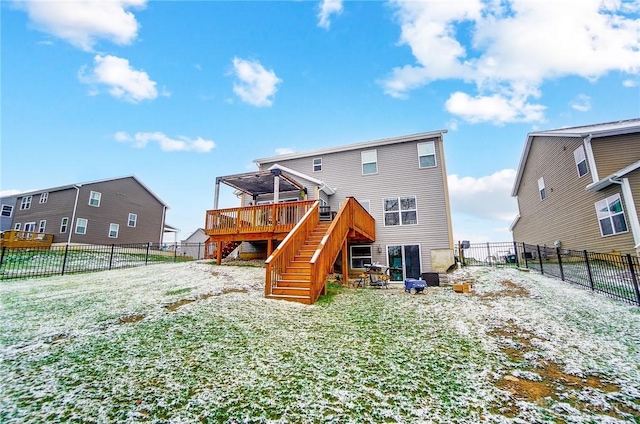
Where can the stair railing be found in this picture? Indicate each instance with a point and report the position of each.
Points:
(287, 249)
(350, 216)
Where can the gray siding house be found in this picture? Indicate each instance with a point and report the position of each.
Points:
(400, 181)
(111, 211)
(8, 207)
(579, 188)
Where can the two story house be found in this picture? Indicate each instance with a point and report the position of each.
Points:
(579, 188)
(110, 211)
(393, 193)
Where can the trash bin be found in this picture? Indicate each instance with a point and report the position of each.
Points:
(511, 259)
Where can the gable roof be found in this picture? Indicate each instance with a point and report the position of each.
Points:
(68, 186)
(348, 147)
(606, 129)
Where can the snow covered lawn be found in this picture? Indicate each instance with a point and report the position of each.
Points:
(195, 342)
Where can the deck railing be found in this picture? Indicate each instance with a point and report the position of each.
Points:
(286, 251)
(351, 216)
(279, 217)
(15, 238)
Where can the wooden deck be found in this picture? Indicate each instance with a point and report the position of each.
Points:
(25, 239)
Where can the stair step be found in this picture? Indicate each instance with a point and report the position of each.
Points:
(293, 283)
(298, 278)
(290, 291)
(300, 299)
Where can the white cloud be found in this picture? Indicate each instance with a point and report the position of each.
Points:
(487, 197)
(284, 151)
(482, 208)
(255, 85)
(167, 144)
(328, 8)
(514, 46)
(582, 103)
(82, 22)
(629, 83)
(123, 81)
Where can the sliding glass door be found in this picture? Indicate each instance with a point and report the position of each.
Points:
(404, 261)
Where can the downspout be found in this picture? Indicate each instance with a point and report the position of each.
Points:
(591, 159)
(164, 213)
(73, 214)
(627, 195)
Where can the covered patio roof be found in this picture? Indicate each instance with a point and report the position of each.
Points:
(259, 182)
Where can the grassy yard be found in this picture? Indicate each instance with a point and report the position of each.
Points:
(194, 342)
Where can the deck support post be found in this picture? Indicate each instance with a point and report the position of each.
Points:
(219, 252)
(269, 247)
(345, 264)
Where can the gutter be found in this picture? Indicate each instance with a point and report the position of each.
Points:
(73, 214)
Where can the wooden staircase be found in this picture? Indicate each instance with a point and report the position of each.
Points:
(227, 248)
(294, 283)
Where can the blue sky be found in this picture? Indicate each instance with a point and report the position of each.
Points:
(178, 93)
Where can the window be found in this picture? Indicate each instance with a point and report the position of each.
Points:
(581, 161)
(81, 226)
(427, 154)
(541, 189)
(133, 220)
(44, 197)
(611, 216)
(26, 203)
(7, 211)
(94, 198)
(360, 255)
(369, 162)
(366, 204)
(113, 230)
(30, 227)
(317, 165)
(64, 224)
(17, 226)
(42, 226)
(400, 211)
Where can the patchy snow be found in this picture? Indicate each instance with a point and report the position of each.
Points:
(197, 342)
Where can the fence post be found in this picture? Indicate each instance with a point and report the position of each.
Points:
(198, 257)
(524, 252)
(146, 259)
(634, 278)
(2, 255)
(586, 260)
(540, 259)
(111, 256)
(175, 252)
(64, 260)
(560, 263)
(489, 254)
(515, 252)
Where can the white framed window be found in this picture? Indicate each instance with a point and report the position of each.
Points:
(30, 227)
(7, 211)
(26, 203)
(541, 188)
(427, 154)
(42, 226)
(611, 216)
(44, 197)
(133, 220)
(369, 162)
(64, 224)
(113, 230)
(400, 211)
(581, 161)
(17, 226)
(94, 198)
(366, 204)
(81, 226)
(360, 255)
(317, 165)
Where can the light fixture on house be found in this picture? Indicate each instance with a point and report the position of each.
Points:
(379, 249)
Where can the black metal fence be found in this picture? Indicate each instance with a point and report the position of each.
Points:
(613, 275)
(61, 260)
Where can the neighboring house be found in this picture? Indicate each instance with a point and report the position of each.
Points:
(194, 245)
(8, 207)
(111, 211)
(400, 183)
(579, 188)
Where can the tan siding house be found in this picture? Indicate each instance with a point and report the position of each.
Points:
(580, 187)
(400, 181)
(112, 211)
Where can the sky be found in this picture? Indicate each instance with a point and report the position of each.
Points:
(178, 93)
